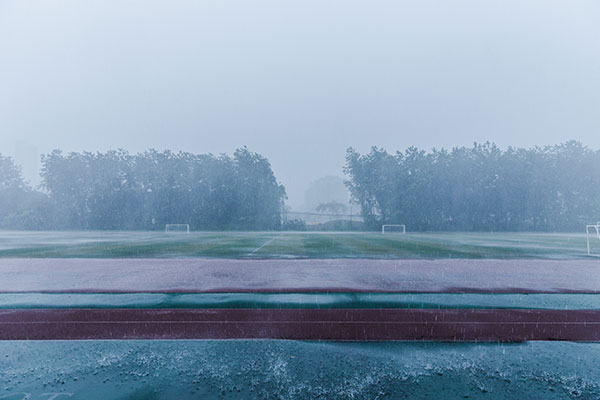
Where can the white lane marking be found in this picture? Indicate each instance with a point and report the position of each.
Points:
(262, 245)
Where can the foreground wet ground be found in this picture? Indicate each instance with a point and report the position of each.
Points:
(273, 369)
(513, 297)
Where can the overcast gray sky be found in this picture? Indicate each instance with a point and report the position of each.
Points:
(298, 81)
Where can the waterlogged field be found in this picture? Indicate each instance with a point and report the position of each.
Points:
(104, 244)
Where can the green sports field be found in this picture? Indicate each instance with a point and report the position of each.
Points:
(108, 244)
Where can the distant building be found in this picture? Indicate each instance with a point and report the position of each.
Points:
(325, 190)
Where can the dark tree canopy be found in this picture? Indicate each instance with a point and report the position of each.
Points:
(11, 188)
(118, 190)
(17, 201)
(552, 188)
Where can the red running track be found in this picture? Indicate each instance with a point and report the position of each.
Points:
(302, 324)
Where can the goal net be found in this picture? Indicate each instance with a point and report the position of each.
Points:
(593, 230)
(177, 228)
(393, 228)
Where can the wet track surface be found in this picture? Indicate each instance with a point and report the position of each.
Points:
(490, 325)
(342, 309)
(368, 329)
(228, 275)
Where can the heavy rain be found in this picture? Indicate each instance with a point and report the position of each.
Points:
(299, 200)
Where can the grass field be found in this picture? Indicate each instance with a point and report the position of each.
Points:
(105, 244)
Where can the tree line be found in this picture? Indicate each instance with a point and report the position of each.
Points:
(481, 188)
(119, 190)
(551, 188)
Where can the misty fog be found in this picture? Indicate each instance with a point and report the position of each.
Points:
(297, 82)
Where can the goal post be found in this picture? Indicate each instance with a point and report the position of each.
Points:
(591, 229)
(393, 228)
(177, 228)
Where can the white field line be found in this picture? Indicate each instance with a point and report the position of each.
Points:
(262, 245)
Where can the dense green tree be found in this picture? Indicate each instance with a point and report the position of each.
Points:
(10, 174)
(548, 188)
(20, 206)
(259, 196)
(117, 190)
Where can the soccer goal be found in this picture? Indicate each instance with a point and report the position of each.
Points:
(393, 228)
(590, 229)
(177, 228)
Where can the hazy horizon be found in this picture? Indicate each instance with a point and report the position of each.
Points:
(297, 82)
